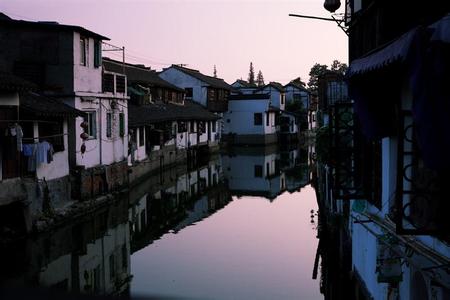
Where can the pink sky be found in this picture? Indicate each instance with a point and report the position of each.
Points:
(204, 33)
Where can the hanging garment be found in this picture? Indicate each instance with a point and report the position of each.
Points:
(19, 136)
(42, 152)
(28, 149)
(50, 153)
(32, 158)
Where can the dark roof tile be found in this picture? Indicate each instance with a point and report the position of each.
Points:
(138, 74)
(212, 81)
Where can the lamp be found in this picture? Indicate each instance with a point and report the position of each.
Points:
(332, 5)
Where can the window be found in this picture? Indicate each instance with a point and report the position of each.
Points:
(267, 169)
(141, 136)
(189, 93)
(192, 126)
(91, 119)
(213, 126)
(108, 125)
(83, 51)
(267, 119)
(108, 82)
(51, 132)
(120, 84)
(121, 124)
(258, 171)
(282, 98)
(97, 54)
(257, 118)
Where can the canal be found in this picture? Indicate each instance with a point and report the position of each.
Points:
(241, 225)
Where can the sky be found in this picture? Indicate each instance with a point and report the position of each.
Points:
(202, 33)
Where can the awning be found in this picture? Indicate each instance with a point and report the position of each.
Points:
(441, 30)
(46, 106)
(395, 51)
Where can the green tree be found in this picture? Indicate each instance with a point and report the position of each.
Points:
(339, 67)
(260, 79)
(314, 74)
(299, 81)
(251, 74)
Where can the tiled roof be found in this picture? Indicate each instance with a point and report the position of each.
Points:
(212, 81)
(45, 106)
(275, 85)
(138, 74)
(155, 113)
(5, 21)
(11, 82)
(296, 85)
(245, 83)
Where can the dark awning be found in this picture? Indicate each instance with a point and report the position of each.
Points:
(45, 106)
(395, 51)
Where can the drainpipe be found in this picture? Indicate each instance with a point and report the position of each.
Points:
(100, 129)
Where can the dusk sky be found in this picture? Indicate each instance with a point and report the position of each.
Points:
(204, 33)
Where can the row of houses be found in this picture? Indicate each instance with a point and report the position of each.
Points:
(383, 154)
(76, 125)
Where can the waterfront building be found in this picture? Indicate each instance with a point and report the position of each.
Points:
(65, 62)
(34, 153)
(388, 149)
(165, 128)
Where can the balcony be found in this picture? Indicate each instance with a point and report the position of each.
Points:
(217, 105)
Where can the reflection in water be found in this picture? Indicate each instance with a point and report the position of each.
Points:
(253, 248)
(92, 255)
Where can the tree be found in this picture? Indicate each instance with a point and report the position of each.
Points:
(314, 74)
(299, 81)
(260, 79)
(251, 74)
(339, 67)
(215, 71)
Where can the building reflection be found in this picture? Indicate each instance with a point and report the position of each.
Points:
(265, 172)
(91, 255)
(174, 199)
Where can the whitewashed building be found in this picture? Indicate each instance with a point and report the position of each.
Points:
(65, 62)
(250, 119)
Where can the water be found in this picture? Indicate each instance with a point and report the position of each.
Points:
(239, 226)
(251, 249)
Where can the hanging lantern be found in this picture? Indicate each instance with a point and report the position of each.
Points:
(84, 136)
(332, 5)
(84, 124)
(83, 148)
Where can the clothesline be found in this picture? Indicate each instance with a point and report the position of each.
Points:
(45, 136)
(18, 121)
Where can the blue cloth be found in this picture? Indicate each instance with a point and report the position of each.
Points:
(28, 149)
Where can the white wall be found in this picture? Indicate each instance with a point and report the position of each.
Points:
(275, 97)
(86, 78)
(140, 153)
(182, 80)
(241, 117)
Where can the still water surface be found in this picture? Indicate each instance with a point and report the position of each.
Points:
(238, 226)
(251, 249)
